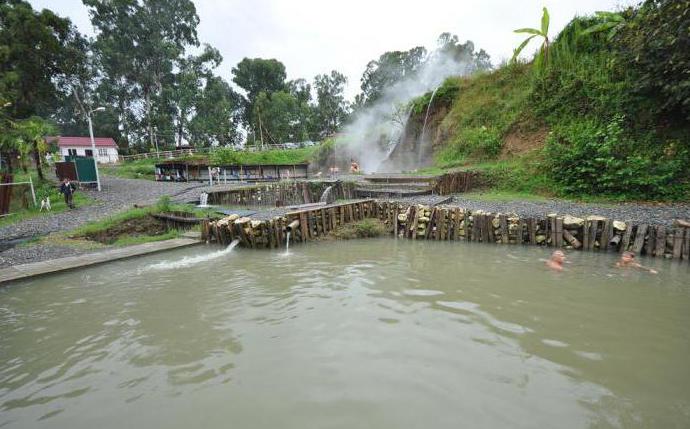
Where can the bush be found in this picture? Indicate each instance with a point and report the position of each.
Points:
(366, 228)
(590, 157)
(475, 143)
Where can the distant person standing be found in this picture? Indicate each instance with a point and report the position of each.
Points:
(67, 189)
(354, 167)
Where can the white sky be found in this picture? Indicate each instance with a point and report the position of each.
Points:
(316, 36)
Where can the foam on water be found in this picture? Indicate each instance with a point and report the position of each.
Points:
(192, 260)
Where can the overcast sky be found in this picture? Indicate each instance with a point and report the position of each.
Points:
(316, 36)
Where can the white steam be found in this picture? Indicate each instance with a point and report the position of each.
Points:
(372, 136)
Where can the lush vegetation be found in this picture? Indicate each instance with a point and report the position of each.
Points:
(138, 169)
(287, 157)
(612, 97)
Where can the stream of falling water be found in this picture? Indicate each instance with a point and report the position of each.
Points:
(426, 118)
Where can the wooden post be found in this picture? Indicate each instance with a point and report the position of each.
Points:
(660, 247)
(520, 237)
(331, 215)
(686, 247)
(606, 231)
(532, 230)
(415, 222)
(304, 226)
(677, 242)
(593, 226)
(639, 238)
(503, 224)
(324, 224)
(626, 237)
(559, 232)
(552, 229)
(486, 227)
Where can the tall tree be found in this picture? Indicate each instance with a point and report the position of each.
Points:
(217, 115)
(39, 51)
(332, 107)
(139, 41)
(254, 76)
(388, 69)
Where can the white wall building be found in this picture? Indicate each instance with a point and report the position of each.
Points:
(106, 148)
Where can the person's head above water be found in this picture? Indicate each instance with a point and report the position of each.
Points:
(627, 257)
(558, 256)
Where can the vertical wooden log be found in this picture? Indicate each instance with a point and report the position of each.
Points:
(415, 222)
(476, 227)
(648, 248)
(341, 212)
(625, 242)
(593, 227)
(331, 218)
(324, 222)
(456, 224)
(552, 229)
(606, 231)
(520, 236)
(441, 224)
(503, 225)
(304, 226)
(489, 224)
(532, 230)
(559, 232)
(639, 238)
(660, 247)
(487, 227)
(677, 242)
(686, 247)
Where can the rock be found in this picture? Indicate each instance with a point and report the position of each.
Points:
(242, 220)
(572, 221)
(402, 217)
(256, 223)
(233, 217)
(541, 239)
(423, 219)
(619, 226)
(596, 218)
(496, 222)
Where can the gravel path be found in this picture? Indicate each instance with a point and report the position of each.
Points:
(661, 214)
(117, 195)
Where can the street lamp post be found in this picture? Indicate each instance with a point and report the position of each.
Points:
(93, 145)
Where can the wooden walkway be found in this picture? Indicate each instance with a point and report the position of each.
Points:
(24, 271)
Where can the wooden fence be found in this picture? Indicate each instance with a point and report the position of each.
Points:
(418, 222)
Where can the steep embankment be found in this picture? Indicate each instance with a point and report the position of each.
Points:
(586, 121)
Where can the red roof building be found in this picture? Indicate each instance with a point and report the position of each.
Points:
(106, 148)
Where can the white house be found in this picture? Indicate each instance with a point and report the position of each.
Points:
(106, 149)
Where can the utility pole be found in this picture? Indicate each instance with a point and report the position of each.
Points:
(93, 145)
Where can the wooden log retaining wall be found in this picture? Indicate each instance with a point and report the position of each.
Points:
(418, 222)
(454, 182)
(280, 194)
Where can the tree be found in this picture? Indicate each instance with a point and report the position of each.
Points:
(278, 118)
(608, 21)
(139, 42)
(217, 117)
(543, 33)
(31, 133)
(39, 52)
(332, 108)
(389, 68)
(449, 47)
(257, 75)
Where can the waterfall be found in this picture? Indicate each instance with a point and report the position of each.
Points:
(426, 118)
(203, 200)
(287, 242)
(326, 194)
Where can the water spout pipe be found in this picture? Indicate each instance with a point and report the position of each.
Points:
(292, 226)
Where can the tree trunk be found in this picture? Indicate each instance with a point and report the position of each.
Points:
(147, 98)
(37, 160)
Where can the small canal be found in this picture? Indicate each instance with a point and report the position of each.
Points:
(375, 333)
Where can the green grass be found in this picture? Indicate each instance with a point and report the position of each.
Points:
(140, 169)
(42, 189)
(287, 156)
(141, 239)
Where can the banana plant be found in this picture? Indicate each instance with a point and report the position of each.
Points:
(543, 33)
(609, 21)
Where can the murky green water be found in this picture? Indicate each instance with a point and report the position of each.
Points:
(376, 334)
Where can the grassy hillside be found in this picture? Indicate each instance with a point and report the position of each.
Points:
(600, 115)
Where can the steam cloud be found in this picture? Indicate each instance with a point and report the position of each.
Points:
(375, 131)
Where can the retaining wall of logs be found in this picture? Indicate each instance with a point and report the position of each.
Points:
(418, 222)
(455, 182)
(281, 194)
